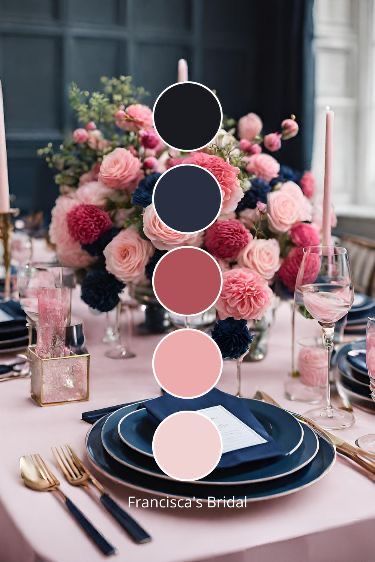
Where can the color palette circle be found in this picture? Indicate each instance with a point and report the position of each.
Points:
(187, 281)
(187, 116)
(187, 446)
(187, 198)
(187, 363)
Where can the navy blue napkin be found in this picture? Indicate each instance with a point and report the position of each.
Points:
(162, 407)
(358, 362)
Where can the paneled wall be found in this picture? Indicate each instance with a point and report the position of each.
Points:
(47, 44)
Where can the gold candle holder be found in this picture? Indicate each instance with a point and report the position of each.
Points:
(59, 380)
(6, 228)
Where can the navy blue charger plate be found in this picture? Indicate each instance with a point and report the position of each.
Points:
(303, 478)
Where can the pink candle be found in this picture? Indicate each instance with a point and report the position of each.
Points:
(182, 72)
(327, 199)
(4, 185)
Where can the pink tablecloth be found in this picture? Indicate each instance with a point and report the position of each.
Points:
(333, 521)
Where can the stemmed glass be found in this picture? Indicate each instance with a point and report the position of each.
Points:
(324, 287)
(367, 442)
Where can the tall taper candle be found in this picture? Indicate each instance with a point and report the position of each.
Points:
(4, 185)
(182, 71)
(327, 198)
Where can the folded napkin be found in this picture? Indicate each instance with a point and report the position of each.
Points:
(358, 362)
(162, 407)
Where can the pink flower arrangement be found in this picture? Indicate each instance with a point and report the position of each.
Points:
(307, 184)
(127, 256)
(245, 294)
(225, 173)
(262, 256)
(136, 117)
(87, 222)
(226, 238)
(304, 234)
(264, 166)
(272, 142)
(163, 237)
(249, 126)
(287, 206)
(120, 170)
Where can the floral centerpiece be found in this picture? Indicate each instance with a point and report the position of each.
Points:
(105, 225)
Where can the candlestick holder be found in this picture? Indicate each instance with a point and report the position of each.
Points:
(6, 228)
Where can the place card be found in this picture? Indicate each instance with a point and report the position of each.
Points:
(235, 434)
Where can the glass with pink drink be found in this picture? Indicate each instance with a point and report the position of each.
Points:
(324, 287)
(367, 442)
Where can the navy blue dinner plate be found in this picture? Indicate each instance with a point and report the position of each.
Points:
(354, 365)
(245, 473)
(348, 380)
(306, 476)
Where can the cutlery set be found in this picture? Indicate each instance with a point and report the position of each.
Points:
(38, 476)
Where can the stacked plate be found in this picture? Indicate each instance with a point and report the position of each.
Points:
(13, 331)
(353, 375)
(120, 446)
(363, 307)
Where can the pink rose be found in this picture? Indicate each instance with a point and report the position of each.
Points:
(244, 294)
(80, 136)
(307, 184)
(137, 116)
(91, 126)
(93, 193)
(287, 206)
(312, 366)
(225, 173)
(262, 256)
(225, 238)
(127, 255)
(272, 142)
(120, 170)
(163, 237)
(69, 252)
(305, 234)
(263, 166)
(289, 128)
(249, 126)
(149, 139)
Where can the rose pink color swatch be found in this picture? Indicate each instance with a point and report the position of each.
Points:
(187, 281)
(187, 363)
(187, 446)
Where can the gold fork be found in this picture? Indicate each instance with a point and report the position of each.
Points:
(346, 449)
(37, 476)
(77, 474)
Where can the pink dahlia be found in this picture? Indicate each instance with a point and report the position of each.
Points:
(263, 166)
(225, 173)
(289, 268)
(307, 184)
(87, 222)
(249, 126)
(120, 170)
(226, 238)
(69, 252)
(245, 294)
(304, 234)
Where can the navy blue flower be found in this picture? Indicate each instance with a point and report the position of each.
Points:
(152, 263)
(100, 290)
(96, 248)
(142, 196)
(287, 174)
(258, 192)
(233, 337)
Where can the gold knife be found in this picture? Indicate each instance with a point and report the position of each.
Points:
(355, 454)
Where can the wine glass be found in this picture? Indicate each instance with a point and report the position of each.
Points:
(324, 287)
(367, 442)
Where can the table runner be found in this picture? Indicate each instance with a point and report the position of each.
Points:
(332, 521)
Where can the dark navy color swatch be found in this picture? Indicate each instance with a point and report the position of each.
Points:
(187, 116)
(187, 198)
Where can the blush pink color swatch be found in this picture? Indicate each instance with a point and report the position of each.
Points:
(187, 281)
(187, 446)
(187, 363)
